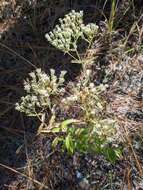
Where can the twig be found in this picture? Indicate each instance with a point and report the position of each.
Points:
(24, 175)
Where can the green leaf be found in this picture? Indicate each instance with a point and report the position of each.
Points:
(69, 144)
(56, 141)
(56, 130)
(118, 152)
(64, 124)
(110, 154)
(79, 131)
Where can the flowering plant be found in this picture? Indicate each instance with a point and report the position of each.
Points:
(39, 90)
(93, 131)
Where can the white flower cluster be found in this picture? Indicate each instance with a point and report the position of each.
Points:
(39, 91)
(66, 34)
(71, 27)
(90, 30)
(107, 129)
(87, 96)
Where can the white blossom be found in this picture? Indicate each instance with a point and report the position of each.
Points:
(39, 89)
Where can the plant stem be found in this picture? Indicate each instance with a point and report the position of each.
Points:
(72, 56)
